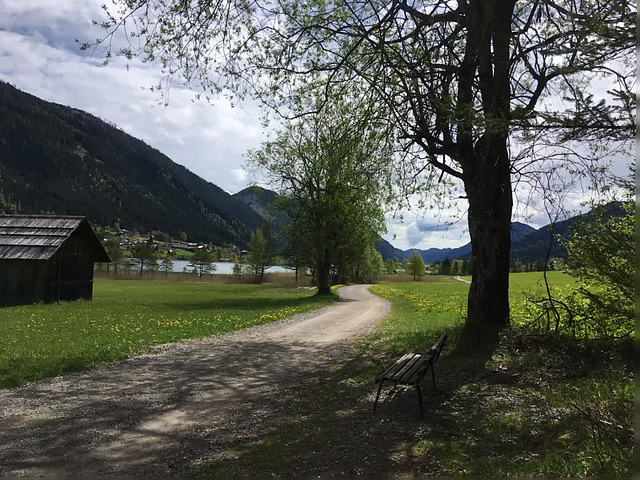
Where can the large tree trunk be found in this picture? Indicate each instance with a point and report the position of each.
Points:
(324, 274)
(485, 164)
(490, 203)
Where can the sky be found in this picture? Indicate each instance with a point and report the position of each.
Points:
(39, 55)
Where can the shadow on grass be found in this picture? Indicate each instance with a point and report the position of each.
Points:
(255, 409)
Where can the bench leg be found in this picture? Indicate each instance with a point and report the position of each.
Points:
(378, 395)
(433, 377)
(420, 399)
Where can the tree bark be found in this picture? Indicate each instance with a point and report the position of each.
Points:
(324, 274)
(486, 167)
(490, 203)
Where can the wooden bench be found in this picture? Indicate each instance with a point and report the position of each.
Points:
(411, 368)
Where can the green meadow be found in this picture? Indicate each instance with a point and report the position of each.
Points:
(423, 310)
(541, 405)
(129, 317)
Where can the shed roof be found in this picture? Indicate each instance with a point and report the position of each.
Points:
(38, 237)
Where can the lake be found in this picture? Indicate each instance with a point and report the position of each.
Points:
(223, 267)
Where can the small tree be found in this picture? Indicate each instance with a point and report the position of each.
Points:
(143, 255)
(115, 253)
(602, 259)
(259, 256)
(237, 269)
(415, 265)
(166, 265)
(446, 267)
(389, 266)
(202, 261)
(152, 266)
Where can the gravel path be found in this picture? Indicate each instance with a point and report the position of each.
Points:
(165, 414)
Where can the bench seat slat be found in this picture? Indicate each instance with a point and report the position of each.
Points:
(396, 366)
(409, 368)
(416, 373)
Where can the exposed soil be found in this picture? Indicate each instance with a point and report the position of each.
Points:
(188, 404)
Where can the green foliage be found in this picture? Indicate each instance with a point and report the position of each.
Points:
(237, 269)
(166, 264)
(330, 168)
(367, 267)
(389, 266)
(260, 255)
(415, 265)
(445, 268)
(144, 255)
(127, 318)
(602, 260)
(115, 253)
(202, 261)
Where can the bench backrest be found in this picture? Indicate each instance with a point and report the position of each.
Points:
(436, 349)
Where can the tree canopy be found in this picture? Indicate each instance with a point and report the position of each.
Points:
(330, 167)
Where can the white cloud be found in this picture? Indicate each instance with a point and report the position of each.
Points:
(209, 140)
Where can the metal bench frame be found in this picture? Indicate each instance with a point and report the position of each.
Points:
(411, 368)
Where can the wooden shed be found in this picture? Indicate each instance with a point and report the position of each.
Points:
(45, 258)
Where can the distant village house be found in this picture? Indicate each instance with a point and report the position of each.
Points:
(46, 258)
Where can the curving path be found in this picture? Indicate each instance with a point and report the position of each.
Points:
(168, 413)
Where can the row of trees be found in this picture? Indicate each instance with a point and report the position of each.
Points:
(145, 258)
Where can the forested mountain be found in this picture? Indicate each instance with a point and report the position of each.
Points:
(519, 231)
(527, 244)
(259, 199)
(57, 159)
(534, 246)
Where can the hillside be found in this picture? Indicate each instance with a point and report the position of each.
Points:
(56, 159)
(519, 231)
(534, 246)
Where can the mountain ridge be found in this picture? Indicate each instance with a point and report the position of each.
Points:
(58, 159)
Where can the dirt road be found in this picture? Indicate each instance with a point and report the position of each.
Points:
(171, 412)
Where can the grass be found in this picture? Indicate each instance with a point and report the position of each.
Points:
(129, 317)
(560, 407)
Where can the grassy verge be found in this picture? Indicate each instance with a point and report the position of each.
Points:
(533, 405)
(128, 317)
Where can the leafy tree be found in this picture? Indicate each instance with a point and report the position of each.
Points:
(368, 266)
(415, 265)
(260, 257)
(389, 266)
(152, 266)
(602, 257)
(143, 255)
(166, 265)
(466, 269)
(446, 267)
(329, 165)
(115, 253)
(455, 81)
(202, 261)
(455, 267)
(237, 269)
